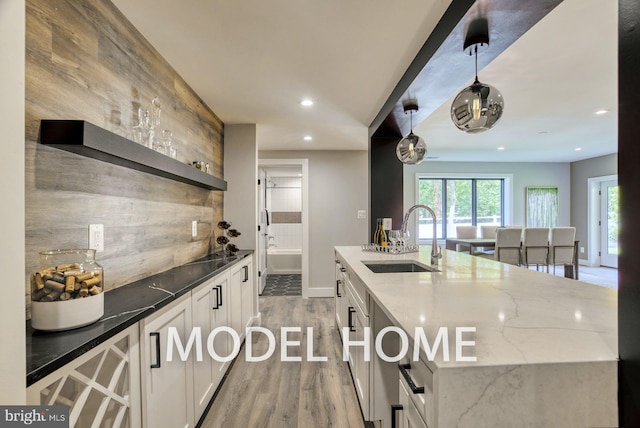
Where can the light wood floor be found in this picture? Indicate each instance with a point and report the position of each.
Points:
(280, 394)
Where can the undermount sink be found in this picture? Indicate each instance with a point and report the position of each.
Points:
(399, 266)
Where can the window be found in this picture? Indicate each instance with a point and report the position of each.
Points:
(467, 201)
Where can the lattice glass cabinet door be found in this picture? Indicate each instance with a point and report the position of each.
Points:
(101, 387)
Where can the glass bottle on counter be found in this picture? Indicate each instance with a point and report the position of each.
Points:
(380, 237)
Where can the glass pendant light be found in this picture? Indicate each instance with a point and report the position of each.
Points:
(478, 107)
(411, 149)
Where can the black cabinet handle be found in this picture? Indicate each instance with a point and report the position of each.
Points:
(246, 273)
(350, 322)
(338, 288)
(394, 410)
(405, 374)
(217, 290)
(157, 363)
(219, 287)
(343, 269)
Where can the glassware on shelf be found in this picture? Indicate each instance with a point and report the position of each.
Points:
(173, 153)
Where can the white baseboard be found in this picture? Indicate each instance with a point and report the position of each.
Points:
(318, 292)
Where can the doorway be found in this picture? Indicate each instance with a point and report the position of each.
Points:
(283, 251)
(609, 215)
(603, 221)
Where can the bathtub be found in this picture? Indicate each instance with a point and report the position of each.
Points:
(282, 260)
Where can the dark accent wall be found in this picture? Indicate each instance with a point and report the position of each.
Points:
(628, 180)
(86, 61)
(385, 182)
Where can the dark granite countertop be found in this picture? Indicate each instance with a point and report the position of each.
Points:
(123, 307)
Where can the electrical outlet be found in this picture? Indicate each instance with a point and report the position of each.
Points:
(362, 214)
(581, 250)
(96, 237)
(194, 228)
(387, 223)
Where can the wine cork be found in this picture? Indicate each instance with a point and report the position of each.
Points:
(95, 290)
(84, 276)
(84, 292)
(51, 296)
(54, 276)
(65, 296)
(40, 294)
(37, 278)
(64, 267)
(91, 281)
(70, 284)
(72, 272)
(54, 286)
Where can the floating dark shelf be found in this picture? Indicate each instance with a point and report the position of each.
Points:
(87, 139)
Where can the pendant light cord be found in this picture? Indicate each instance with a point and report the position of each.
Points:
(476, 51)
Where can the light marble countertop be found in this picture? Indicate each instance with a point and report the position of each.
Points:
(521, 316)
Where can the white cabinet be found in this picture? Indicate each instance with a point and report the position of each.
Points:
(167, 386)
(407, 415)
(210, 304)
(241, 293)
(417, 380)
(102, 386)
(340, 297)
(359, 358)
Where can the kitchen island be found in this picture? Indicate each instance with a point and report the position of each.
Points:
(537, 350)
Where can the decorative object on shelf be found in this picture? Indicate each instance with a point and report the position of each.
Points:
(228, 249)
(411, 149)
(147, 130)
(478, 107)
(87, 139)
(67, 291)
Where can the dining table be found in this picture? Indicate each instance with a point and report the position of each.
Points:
(470, 243)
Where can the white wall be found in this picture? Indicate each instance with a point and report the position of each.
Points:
(581, 172)
(524, 174)
(12, 170)
(241, 175)
(338, 188)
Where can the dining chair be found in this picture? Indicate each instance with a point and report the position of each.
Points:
(561, 246)
(488, 231)
(535, 247)
(508, 243)
(466, 232)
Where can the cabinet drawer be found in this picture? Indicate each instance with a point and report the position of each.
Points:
(418, 381)
(359, 292)
(410, 416)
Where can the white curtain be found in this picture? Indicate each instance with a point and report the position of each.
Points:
(542, 206)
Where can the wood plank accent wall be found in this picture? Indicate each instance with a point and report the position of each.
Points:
(85, 60)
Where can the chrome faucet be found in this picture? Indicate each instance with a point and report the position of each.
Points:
(436, 252)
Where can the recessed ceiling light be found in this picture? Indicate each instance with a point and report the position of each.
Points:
(308, 138)
(500, 148)
(578, 149)
(602, 111)
(306, 102)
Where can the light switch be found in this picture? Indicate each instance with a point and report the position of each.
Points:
(96, 237)
(362, 214)
(387, 223)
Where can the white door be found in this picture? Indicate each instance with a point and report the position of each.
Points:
(609, 209)
(262, 230)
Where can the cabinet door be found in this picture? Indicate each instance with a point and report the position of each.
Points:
(209, 310)
(408, 416)
(247, 293)
(102, 386)
(167, 386)
(357, 321)
(339, 298)
(235, 293)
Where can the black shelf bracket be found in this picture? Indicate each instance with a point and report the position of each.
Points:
(87, 139)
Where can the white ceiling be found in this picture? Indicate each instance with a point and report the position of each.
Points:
(253, 61)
